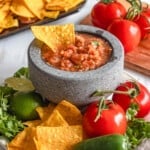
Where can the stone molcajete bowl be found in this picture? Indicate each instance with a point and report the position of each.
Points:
(76, 87)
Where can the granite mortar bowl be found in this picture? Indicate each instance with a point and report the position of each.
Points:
(76, 87)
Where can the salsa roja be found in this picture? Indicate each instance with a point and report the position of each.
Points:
(89, 52)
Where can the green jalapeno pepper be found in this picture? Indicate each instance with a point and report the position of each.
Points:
(107, 142)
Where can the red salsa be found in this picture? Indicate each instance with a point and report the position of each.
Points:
(89, 52)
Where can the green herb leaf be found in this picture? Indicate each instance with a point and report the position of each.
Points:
(95, 43)
(22, 73)
(138, 129)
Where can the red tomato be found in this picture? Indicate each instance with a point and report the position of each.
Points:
(139, 95)
(143, 20)
(103, 14)
(128, 32)
(111, 120)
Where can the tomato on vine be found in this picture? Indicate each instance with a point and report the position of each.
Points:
(128, 32)
(133, 92)
(143, 20)
(105, 11)
(104, 117)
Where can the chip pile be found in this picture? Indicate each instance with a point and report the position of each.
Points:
(59, 128)
(13, 13)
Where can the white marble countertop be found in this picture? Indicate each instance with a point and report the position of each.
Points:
(13, 49)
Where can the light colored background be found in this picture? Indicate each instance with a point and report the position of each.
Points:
(13, 49)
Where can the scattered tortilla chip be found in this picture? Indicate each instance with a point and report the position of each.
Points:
(55, 120)
(69, 112)
(45, 112)
(55, 36)
(23, 140)
(33, 123)
(19, 8)
(59, 130)
(57, 138)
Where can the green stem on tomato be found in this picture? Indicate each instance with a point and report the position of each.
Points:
(134, 10)
(107, 1)
(131, 92)
(101, 106)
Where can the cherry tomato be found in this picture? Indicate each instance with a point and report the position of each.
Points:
(143, 20)
(128, 32)
(103, 14)
(138, 93)
(111, 120)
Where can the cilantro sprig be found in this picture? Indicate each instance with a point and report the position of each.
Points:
(9, 124)
(138, 129)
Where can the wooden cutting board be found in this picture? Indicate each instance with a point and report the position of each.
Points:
(138, 59)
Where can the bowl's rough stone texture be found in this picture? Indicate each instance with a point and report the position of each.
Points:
(76, 87)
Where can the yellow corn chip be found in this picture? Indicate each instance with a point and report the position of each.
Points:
(9, 22)
(36, 7)
(33, 123)
(61, 138)
(45, 112)
(4, 10)
(63, 5)
(23, 140)
(55, 36)
(69, 112)
(55, 120)
(19, 8)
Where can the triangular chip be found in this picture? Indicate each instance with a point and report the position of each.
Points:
(62, 137)
(23, 141)
(45, 112)
(55, 120)
(63, 5)
(36, 7)
(19, 8)
(69, 112)
(4, 9)
(55, 36)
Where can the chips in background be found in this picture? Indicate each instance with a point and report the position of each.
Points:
(19, 8)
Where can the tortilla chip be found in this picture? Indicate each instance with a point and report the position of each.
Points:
(54, 138)
(51, 14)
(36, 7)
(63, 5)
(9, 22)
(33, 123)
(19, 8)
(55, 120)
(23, 140)
(45, 112)
(69, 112)
(4, 10)
(55, 36)
(60, 129)
(1, 29)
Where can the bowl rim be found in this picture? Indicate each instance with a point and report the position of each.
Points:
(35, 57)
